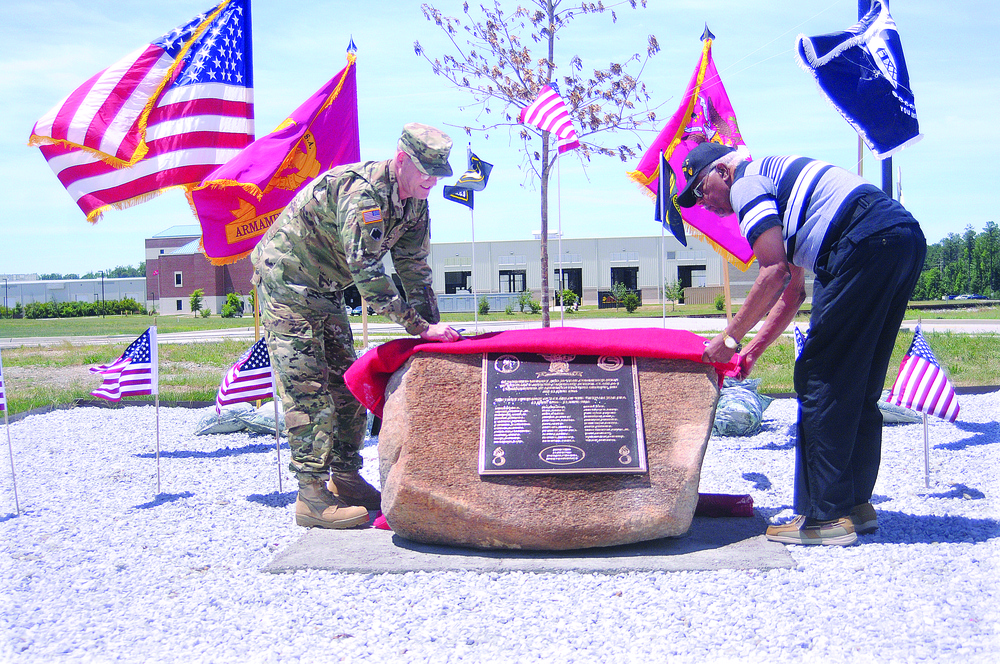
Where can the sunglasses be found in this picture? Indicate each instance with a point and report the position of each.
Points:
(697, 190)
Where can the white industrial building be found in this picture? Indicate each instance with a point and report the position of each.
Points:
(498, 269)
(589, 267)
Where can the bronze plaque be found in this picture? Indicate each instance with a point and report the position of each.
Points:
(549, 414)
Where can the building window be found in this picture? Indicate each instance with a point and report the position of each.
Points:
(629, 276)
(180, 305)
(513, 281)
(570, 279)
(457, 281)
(457, 261)
(512, 260)
(624, 256)
(178, 279)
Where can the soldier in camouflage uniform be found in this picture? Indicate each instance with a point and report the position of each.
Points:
(333, 234)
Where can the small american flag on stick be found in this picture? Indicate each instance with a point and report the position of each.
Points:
(135, 373)
(922, 384)
(249, 379)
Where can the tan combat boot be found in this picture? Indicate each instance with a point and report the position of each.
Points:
(316, 506)
(351, 488)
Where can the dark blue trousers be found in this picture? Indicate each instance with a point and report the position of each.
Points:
(863, 283)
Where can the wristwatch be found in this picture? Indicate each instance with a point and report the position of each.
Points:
(732, 344)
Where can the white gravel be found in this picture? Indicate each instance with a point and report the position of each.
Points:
(98, 568)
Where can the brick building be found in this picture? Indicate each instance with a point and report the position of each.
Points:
(176, 267)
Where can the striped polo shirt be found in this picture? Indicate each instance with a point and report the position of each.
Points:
(804, 196)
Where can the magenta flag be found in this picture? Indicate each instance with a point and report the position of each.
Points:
(705, 114)
(239, 200)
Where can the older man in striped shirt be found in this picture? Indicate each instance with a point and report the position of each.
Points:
(866, 251)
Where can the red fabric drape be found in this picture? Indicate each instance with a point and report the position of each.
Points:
(369, 375)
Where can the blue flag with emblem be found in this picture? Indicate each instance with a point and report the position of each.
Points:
(861, 71)
(459, 195)
(667, 212)
(477, 176)
(474, 179)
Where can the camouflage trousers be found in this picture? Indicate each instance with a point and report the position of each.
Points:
(311, 346)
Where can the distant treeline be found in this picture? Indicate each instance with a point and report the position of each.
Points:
(967, 264)
(122, 271)
(72, 309)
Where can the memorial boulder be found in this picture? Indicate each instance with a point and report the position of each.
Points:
(433, 491)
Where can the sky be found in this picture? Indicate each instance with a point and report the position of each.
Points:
(50, 47)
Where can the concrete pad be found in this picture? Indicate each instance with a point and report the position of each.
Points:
(710, 544)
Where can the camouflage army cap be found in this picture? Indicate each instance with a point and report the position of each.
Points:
(429, 148)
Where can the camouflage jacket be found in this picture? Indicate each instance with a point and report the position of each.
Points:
(337, 230)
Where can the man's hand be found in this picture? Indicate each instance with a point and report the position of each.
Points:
(716, 350)
(440, 332)
(747, 362)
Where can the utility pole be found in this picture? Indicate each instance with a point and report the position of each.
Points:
(863, 7)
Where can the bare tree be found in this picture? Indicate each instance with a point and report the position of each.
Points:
(495, 63)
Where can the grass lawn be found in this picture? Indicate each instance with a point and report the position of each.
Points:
(58, 374)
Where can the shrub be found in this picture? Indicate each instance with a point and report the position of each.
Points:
(534, 305)
(484, 305)
(631, 301)
(568, 299)
(524, 300)
(510, 309)
(233, 306)
(720, 302)
(619, 291)
(196, 300)
(673, 291)
(205, 313)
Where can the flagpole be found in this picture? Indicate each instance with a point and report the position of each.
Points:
(157, 400)
(10, 452)
(256, 314)
(562, 303)
(256, 324)
(663, 283)
(726, 290)
(927, 446)
(364, 323)
(472, 219)
(154, 360)
(277, 428)
(927, 456)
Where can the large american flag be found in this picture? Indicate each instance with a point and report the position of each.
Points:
(164, 116)
(548, 113)
(3, 390)
(247, 380)
(136, 372)
(922, 384)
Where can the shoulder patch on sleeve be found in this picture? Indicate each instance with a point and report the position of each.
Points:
(371, 216)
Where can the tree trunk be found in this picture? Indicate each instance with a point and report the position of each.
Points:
(545, 229)
(546, 169)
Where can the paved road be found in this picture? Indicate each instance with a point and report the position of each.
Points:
(978, 326)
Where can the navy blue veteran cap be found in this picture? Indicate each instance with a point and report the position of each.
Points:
(694, 163)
